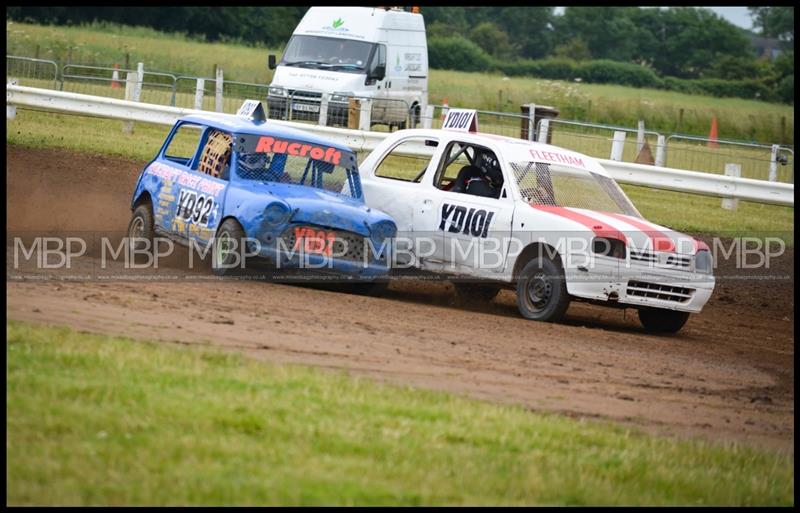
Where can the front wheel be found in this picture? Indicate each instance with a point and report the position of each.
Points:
(658, 320)
(542, 291)
(228, 248)
(416, 115)
(141, 232)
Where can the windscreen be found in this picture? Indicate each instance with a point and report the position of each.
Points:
(564, 186)
(274, 159)
(336, 54)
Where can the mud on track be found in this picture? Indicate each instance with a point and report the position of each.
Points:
(729, 375)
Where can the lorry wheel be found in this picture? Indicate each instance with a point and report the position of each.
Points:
(473, 291)
(141, 233)
(658, 320)
(542, 291)
(227, 249)
(416, 114)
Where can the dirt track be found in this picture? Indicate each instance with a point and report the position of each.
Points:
(729, 375)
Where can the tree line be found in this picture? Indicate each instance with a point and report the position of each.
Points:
(683, 48)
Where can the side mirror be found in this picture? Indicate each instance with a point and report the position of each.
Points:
(378, 73)
(272, 62)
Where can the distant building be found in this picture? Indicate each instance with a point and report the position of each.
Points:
(766, 46)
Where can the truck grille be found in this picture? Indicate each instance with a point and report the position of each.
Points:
(658, 291)
(297, 94)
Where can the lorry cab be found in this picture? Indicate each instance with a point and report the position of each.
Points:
(353, 52)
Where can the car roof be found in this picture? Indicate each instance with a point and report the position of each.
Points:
(243, 126)
(512, 148)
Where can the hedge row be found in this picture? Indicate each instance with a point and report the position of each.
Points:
(458, 53)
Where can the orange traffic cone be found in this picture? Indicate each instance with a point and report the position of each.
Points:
(115, 77)
(445, 108)
(712, 135)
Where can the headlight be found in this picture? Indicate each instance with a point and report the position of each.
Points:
(703, 262)
(341, 98)
(608, 247)
(277, 213)
(277, 91)
(382, 231)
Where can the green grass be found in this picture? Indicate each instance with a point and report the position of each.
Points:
(696, 214)
(617, 105)
(104, 44)
(107, 44)
(704, 215)
(97, 420)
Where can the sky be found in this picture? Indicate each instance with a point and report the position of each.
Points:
(736, 15)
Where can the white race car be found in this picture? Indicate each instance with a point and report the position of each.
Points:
(494, 212)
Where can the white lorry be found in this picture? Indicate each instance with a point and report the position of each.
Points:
(339, 53)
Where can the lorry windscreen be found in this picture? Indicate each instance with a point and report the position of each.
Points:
(336, 54)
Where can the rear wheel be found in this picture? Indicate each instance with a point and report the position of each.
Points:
(228, 248)
(542, 291)
(658, 320)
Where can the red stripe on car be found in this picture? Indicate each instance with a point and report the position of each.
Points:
(661, 241)
(598, 227)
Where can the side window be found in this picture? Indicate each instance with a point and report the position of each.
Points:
(470, 169)
(183, 144)
(215, 159)
(405, 163)
(378, 59)
(454, 159)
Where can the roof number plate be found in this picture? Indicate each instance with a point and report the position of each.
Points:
(461, 120)
(253, 110)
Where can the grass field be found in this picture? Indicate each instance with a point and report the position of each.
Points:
(98, 420)
(680, 211)
(661, 110)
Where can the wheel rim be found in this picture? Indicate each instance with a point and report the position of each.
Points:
(137, 227)
(538, 291)
(223, 247)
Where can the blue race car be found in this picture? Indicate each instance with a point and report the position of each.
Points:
(247, 190)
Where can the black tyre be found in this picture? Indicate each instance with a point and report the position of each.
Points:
(466, 292)
(542, 291)
(416, 115)
(658, 320)
(228, 249)
(141, 232)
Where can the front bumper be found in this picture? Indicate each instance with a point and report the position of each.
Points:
(355, 260)
(286, 109)
(640, 285)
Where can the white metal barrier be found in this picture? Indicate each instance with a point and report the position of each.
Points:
(359, 140)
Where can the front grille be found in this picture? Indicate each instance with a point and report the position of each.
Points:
(346, 246)
(644, 257)
(659, 291)
(662, 260)
(679, 261)
(297, 94)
